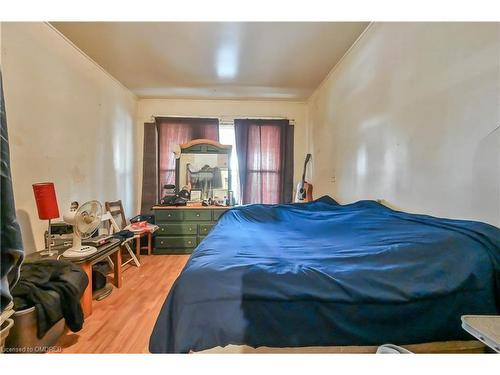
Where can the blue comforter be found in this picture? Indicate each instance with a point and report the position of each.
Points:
(322, 274)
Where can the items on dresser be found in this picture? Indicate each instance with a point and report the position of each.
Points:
(181, 229)
(195, 196)
(168, 191)
(179, 199)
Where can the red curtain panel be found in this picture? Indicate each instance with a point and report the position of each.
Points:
(173, 131)
(265, 160)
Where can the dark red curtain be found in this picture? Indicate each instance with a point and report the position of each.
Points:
(265, 160)
(173, 131)
(149, 169)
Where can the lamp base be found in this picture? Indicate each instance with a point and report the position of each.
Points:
(48, 242)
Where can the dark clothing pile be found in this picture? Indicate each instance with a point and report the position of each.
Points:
(37, 284)
(123, 234)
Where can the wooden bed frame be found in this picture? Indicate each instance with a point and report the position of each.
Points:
(449, 347)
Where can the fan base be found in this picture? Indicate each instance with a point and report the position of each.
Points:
(79, 252)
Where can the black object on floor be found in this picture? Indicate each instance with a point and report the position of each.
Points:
(99, 272)
(102, 293)
(100, 288)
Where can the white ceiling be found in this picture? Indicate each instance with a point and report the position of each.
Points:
(254, 60)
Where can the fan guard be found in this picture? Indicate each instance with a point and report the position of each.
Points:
(85, 220)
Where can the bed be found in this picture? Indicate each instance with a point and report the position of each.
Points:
(321, 274)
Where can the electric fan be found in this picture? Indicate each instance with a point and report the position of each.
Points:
(85, 220)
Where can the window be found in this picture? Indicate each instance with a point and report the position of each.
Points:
(264, 164)
(261, 148)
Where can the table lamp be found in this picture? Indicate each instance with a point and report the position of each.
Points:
(46, 203)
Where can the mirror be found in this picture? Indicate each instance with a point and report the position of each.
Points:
(204, 166)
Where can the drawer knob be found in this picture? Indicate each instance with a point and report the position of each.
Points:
(190, 229)
(169, 215)
(189, 242)
(161, 242)
(198, 214)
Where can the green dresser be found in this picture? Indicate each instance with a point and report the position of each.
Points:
(182, 229)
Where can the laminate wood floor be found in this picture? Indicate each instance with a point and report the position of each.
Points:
(123, 322)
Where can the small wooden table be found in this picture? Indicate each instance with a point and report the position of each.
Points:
(138, 236)
(111, 249)
(485, 328)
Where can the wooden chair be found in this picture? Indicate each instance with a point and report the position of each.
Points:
(115, 208)
(113, 228)
(118, 222)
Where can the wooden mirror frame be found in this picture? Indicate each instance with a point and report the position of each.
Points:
(203, 146)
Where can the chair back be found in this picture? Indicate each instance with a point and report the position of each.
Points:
(115, 208)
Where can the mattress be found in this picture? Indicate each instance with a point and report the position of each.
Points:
(324, 274)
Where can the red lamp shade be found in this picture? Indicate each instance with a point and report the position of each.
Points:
(46, 201)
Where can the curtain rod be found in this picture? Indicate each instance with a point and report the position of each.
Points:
(222, 118)
(177, 116)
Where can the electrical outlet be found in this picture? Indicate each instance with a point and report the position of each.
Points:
(332, 179)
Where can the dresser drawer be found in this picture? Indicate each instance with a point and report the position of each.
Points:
(175, 242)
(198, 214)
(204, 229)
(176, 228)
(218, 213)
(168, 215)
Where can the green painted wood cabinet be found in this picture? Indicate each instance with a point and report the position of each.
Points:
(182, 229)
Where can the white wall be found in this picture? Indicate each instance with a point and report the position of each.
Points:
(411, 115)
(69, 122)
(226, 108)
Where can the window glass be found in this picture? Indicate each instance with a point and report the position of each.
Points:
(226, 137)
